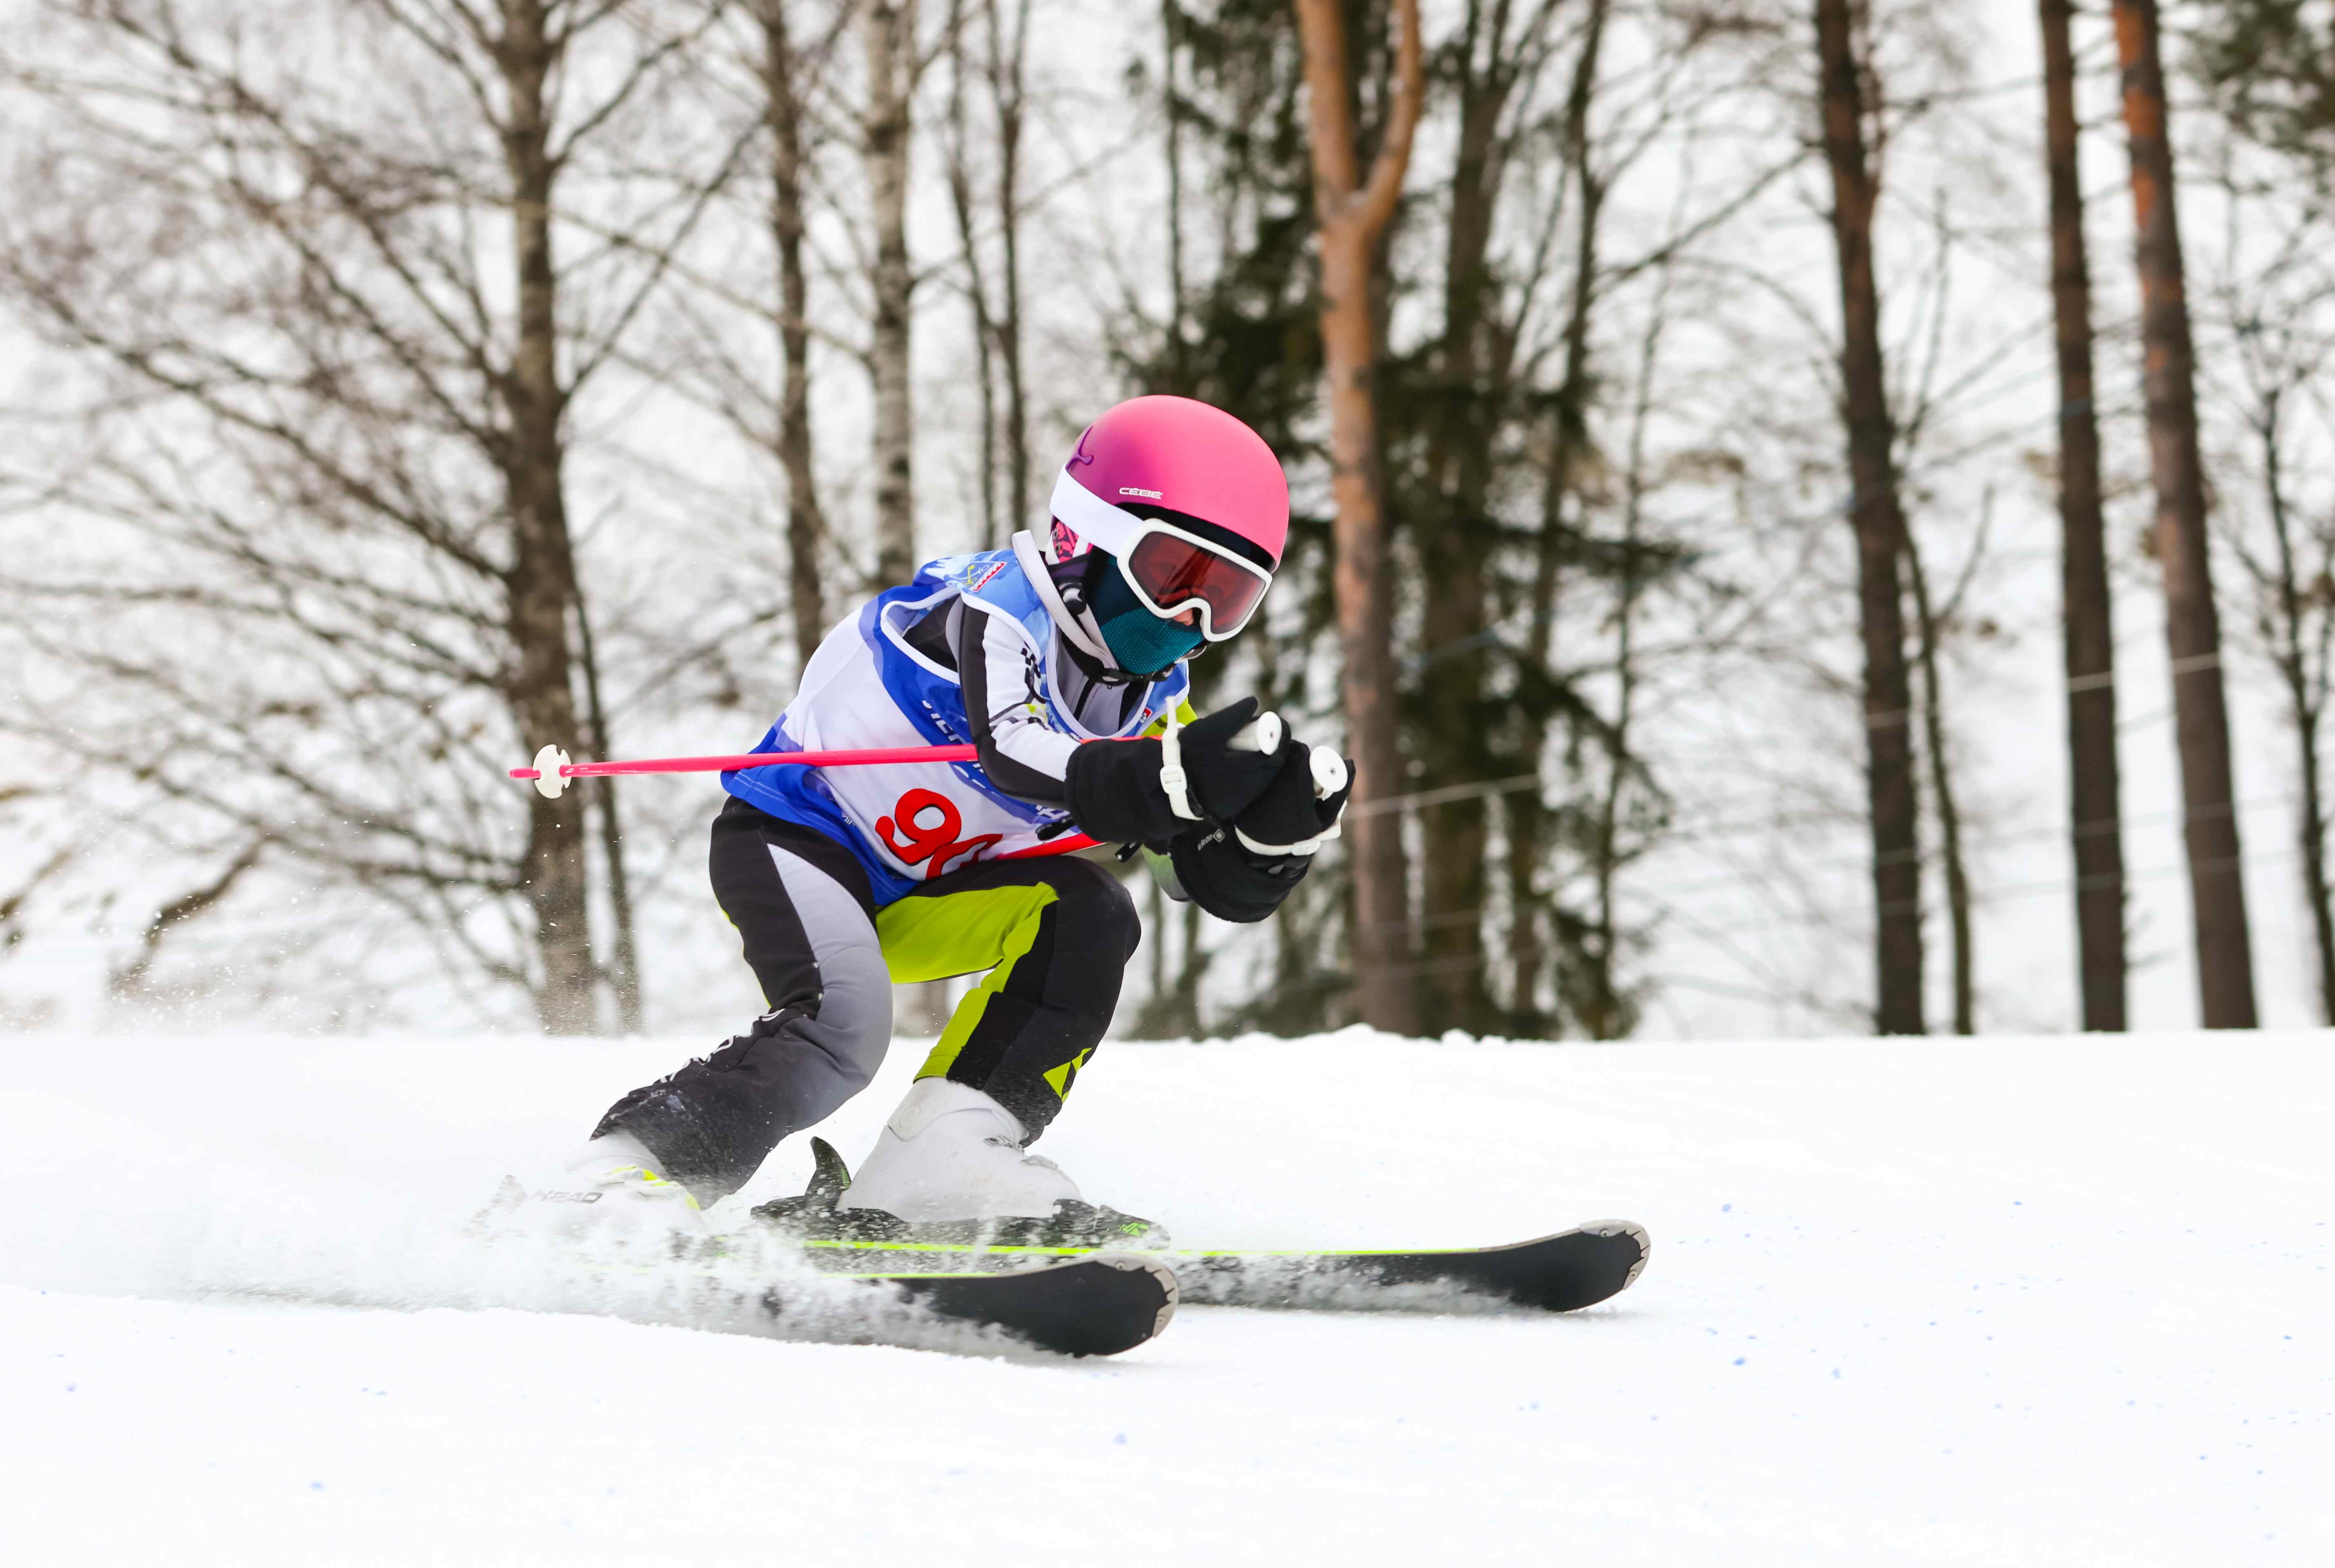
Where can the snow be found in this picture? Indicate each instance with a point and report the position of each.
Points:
(2010, 1302)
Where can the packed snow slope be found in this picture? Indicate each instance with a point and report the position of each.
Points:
(2015, 1302)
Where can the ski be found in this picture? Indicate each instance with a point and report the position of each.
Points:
(1092, 1304)
(1562, 1272)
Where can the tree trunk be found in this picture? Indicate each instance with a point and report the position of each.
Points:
(996, 325)
(2225, 980)
(2305, 695)
(1007, 82)
(542, 574)
(1880, 527)
(1353, 215)
(2312, 834)
(623, 946)
(1942, 789)
(1463, 413)
(1175, 139)
(1598, 1000)
(963, 203)
(889, 31)
(1529, 818)
(806, 523)
(2095, 791)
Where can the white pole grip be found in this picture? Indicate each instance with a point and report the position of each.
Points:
(1262, 733)
(1329, 772)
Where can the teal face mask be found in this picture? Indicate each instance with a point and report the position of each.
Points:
(1142, 642)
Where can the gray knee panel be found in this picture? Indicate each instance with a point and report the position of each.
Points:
(840, 1048)
(822, 968)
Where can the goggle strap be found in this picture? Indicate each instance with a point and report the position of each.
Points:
(1106, 527)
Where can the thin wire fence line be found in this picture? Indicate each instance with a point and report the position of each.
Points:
(1930, 854)
(1447, 794)
(1456, 793)
(1466, 962)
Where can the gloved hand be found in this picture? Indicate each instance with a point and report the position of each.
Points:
(1149, 791)
(1213, 870)
(1300, 808)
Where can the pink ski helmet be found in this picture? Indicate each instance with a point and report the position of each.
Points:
(1188, 500)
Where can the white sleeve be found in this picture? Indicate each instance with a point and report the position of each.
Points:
(1005, 692)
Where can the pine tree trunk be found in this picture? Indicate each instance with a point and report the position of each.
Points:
(2095, 791)
(2305, 694)
(1529, 825)
(1353, 215)
(888, 31)
(1880, 527)
(542, 574)
(2226, 981)
(1455, 536)
(806, 523)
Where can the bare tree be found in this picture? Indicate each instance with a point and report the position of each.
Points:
(1929, 620)
(1353, 213)
(2270, 76)
(333, 361)
(1529, 825)
(2294, 581)
(1480, 710)
(2094, 791)
(783, 67)
(1878, 519)
(888, 38)
(2217, 895)
(1000, 72)
(2268, 298)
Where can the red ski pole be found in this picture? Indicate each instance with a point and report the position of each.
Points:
(552, 768)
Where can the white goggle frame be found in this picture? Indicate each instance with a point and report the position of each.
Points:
(1116, 531)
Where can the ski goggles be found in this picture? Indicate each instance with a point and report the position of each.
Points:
(1171, 570)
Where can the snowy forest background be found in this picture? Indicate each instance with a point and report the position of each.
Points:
(388, 387)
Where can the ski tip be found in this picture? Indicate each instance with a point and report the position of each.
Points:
(1132, 1262)
(1100, 1304)
(1630, 1228)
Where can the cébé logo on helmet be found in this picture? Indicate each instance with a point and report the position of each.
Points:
(1131, 490)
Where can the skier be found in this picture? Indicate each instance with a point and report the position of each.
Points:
(1064, 663)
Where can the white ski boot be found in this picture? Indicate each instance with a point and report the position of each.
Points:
(952, 1153)
(950, 1166)
(613, 1186)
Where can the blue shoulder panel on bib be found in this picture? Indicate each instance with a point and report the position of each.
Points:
(799, 795)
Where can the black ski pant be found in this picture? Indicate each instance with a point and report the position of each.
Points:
(1054, 933)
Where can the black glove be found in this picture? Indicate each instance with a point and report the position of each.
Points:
(1125, 791)
(1294, 814)
(1230, 882)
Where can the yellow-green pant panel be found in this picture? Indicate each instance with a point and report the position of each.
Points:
(938, 938)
